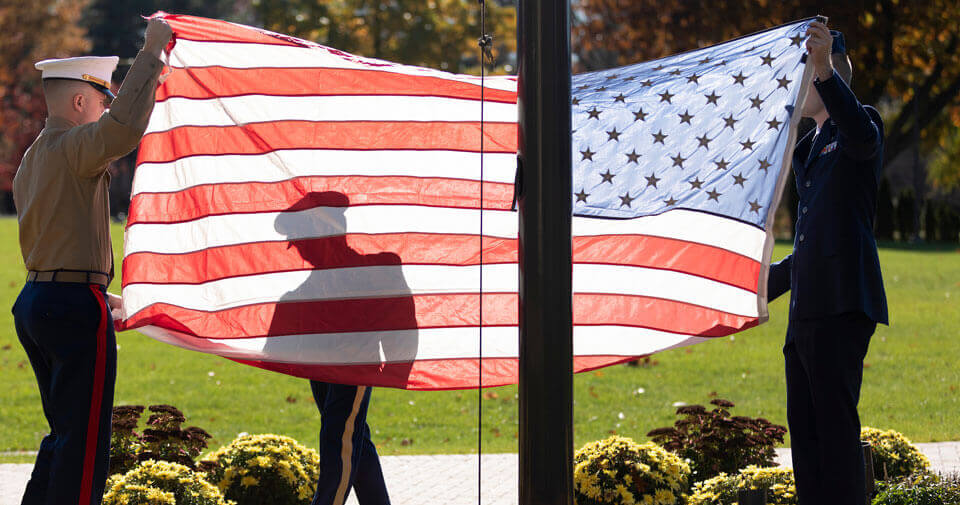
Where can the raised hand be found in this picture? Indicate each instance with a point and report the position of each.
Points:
(819, 46)
(157, 36)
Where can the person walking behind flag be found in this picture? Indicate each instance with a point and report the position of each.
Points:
(833, 274)
(316, 228)
(61, 315)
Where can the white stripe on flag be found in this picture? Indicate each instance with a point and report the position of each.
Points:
(407, 345)
(216, 231)
(288, 164)
(680, 224)
(231, 111)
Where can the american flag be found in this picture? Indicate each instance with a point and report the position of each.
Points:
(317, 213)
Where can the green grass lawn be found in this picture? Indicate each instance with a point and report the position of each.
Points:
(912, 383)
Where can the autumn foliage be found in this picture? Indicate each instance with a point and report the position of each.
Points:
(32, 31)
(905, 52)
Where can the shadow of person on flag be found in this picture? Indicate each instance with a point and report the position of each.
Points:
(349, 325)
(351, 319)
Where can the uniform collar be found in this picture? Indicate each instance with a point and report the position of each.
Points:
(59, 123)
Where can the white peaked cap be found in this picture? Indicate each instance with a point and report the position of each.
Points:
(97, 70)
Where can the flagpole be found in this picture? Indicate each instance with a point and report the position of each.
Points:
(544, 201)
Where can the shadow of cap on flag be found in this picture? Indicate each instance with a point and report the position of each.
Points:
(293, 224)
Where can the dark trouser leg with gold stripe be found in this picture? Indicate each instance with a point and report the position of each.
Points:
(67, 332)
(348, 458)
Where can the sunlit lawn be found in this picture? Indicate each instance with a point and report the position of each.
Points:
(912, 382)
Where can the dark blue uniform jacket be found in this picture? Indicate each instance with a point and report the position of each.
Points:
(834, 266)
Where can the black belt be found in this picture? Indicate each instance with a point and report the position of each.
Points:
(69, 276)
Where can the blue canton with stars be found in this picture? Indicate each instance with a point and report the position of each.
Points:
(704, 130)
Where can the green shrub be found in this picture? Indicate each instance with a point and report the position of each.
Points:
(162, 483)
(716, 442)
(893, 454)
(722, 489)
(620, 471)
(258, 469)
(922, 489)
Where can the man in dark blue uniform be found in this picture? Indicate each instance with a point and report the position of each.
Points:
(833, 274)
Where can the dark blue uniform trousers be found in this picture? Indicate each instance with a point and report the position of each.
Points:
(824, 367)
(67, 332)
(348, 458)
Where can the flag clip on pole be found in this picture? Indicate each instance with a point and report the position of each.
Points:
(545, 207)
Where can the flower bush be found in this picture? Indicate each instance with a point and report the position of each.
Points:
(722, 489)
(620, 471)
(165, 440)
(257, 469)
(162, 483)
(716, 442)
(161, 440)
(893, 454)
(921, 489)
(124, 440)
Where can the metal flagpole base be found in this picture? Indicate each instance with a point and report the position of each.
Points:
(870, 485)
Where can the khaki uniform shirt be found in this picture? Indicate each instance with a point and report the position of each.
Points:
(61, 187)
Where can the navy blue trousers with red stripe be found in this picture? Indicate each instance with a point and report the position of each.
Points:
(67, 332)
(348, 458)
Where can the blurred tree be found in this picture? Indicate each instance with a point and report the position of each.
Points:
(905, 52)
(432, 33)
(884, 225)
(931, 211)
(944, 168)
(949, 220)
(116, 28)
(32, 31)
(905, 215)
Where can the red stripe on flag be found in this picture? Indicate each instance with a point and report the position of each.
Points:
(431, 311)
(247, 197)
(96, 401)
(332, 316)
(354, 250)
(427, 375)
(676, 255)
(213, 30)
(218, 82)
(259, 138)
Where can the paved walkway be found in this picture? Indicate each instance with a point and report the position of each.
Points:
(452, 479)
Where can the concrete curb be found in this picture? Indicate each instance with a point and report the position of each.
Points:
(452, 479)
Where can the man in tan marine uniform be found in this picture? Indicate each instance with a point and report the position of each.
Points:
(62, 315)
